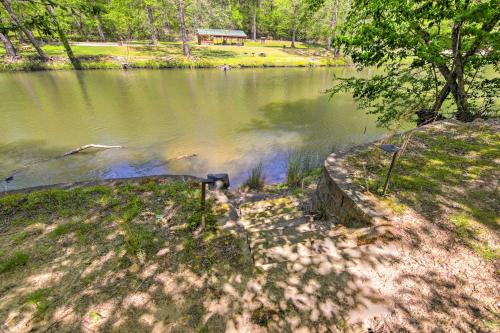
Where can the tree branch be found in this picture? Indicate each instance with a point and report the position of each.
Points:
(486, 28)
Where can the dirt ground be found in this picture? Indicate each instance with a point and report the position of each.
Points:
(319, 277)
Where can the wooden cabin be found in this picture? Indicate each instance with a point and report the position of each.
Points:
(221, 37)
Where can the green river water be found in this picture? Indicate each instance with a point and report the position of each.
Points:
(231, 121)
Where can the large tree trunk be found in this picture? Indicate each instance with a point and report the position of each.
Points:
(254, 21)
(185, 40)
(9, 48)
(99, 30)
(62, 36)
(154, 32)
(333, 24)
(27, 32)
(294, 32)
(457, 88)
(463, 113)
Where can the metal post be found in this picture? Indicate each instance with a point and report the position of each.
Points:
(203, 195)
(393, 162)
(203, 203)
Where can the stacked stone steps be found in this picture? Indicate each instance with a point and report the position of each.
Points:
(278, 232)
(299, 255)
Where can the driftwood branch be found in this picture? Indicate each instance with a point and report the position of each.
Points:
(71, 152)
(79, 149)
(181, 157)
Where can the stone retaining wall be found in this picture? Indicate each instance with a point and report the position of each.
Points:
(337, 197)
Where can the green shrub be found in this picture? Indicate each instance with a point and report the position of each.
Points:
(9, 204)
(256, 179)
(301, 165)
(18, 259)
(60, 230)
(40, 299)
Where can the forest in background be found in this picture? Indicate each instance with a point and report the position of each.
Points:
(313, 21)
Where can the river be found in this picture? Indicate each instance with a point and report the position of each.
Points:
(231, 121)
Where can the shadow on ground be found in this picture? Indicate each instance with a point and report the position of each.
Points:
(124, 258)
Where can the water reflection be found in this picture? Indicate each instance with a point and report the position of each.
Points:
(230, 120)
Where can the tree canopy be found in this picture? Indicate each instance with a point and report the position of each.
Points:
(113, 20)
(429, 52)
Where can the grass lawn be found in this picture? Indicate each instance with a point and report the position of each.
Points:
(169, 55)
(449, 174)
(111, 258)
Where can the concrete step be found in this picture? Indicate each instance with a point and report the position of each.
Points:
(264, 240)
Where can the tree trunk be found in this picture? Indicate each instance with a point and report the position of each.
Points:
(79, 26)
(99, 30)
(443, 94)
(9, 48)
(27, 32)
(154, 32)
(62, 36)
(254, 21)
(185, 40)
(457, 88)
(333, 24)
(426, 116)
(21, 37)
(294, 32)
(463, 113)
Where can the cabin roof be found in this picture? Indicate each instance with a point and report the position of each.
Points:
(221, 32)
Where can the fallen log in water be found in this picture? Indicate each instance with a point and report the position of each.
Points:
(79, 149)
(10, 178)
(71, 152)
